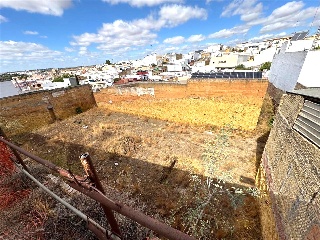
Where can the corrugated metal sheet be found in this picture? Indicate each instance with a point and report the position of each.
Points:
(308, 122)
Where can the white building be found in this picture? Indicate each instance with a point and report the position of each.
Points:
(227, 60)
(174, 67)
(266, 55)
(213, 48)
(146, 61)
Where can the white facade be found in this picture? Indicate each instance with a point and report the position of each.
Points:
(289, 68)
(264, 56)
(205, 69)
(300, 45)
(228, 60)
(146, 61)
(213, 48)
(174, 67)
(309, 75)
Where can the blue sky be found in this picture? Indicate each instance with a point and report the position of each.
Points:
(37, 34)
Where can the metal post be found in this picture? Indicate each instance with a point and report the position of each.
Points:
(15, 153)
(92, 174)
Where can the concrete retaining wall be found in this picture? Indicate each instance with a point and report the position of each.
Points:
(292, 167)
(23, 113)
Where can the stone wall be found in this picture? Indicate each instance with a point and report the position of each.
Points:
(23, 113)
(292, 167)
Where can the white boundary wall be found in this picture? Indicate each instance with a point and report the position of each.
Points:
(309, 75)
(286, 68)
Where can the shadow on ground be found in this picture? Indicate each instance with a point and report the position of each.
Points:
(206, 208)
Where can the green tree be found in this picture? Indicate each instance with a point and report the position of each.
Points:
(108, 62)
(266, 65)
(66, 75)
(241, 67)
(58, 79)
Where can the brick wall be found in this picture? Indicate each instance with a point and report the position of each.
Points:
(23, 113)
(292, 167)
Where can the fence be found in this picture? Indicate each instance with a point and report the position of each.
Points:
(91, 187)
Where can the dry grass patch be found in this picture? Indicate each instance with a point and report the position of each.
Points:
(238, 111)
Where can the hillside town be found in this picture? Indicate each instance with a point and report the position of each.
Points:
(244, 57)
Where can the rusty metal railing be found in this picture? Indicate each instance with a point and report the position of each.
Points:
(94, 190)
(98, 230)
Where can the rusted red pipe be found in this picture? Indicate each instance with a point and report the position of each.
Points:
(85, 188)
(161, 228)
(50, 165)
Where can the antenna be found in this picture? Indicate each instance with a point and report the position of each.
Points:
(314, 17)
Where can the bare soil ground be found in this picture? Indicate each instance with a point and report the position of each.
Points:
(198, 178)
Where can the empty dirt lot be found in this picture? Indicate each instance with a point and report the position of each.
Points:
(189, 160)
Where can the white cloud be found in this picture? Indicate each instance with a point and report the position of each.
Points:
(3, 19)
(259, 38)
(278, 26)
(289, 15)
(67, 49)
(234, 42)
(140, 3)
(196, 38)
(30, 33)
(247, 9)
(83, 51)
(55, 8)
(25, 51)
(174, 15)
(209, 1)
(174, 40)
(121, 35)
(287, 9)
(267, 36)
(117, 35)
(226, 33)
(171, 49)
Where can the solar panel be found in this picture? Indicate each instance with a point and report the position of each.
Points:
(233, 75)
(259, 74)
(299, 36)
(249, 75)
(241, 75)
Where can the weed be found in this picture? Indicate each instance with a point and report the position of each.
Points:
(270, 122)
(79, 110)
(207, 205)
